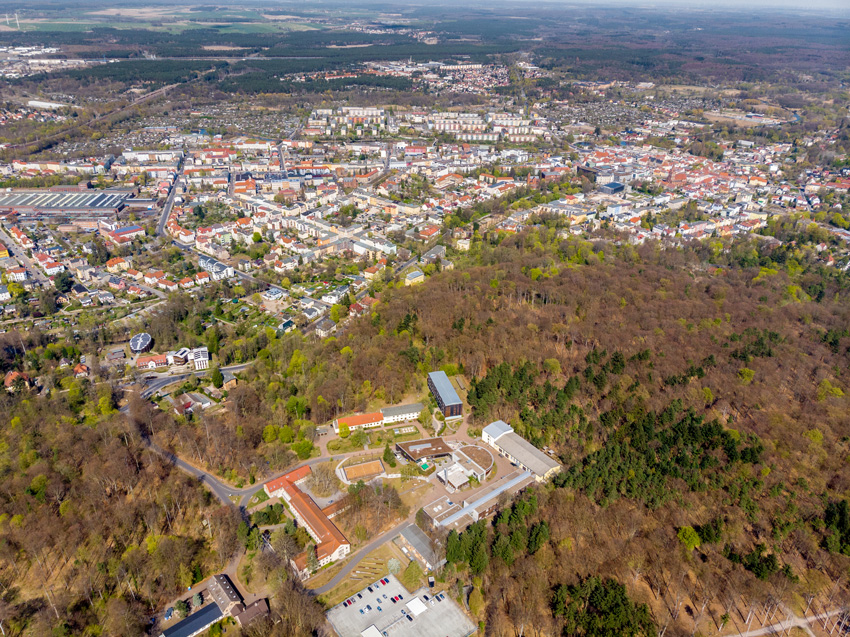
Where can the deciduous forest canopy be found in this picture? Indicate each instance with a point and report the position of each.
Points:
(696, 398)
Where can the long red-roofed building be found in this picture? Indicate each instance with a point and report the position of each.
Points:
(331, 544)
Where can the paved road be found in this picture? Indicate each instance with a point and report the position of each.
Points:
(169, 202)
(358, 556)
(21, 255)
(220, 490)
(153, 385)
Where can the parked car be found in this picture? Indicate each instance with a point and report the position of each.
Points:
(169, 613)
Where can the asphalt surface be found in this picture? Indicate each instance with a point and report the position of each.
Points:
(169, 202)
(18, 252)
(355, 558)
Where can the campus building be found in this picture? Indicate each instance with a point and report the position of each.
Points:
(444, 393)
(331, 544)
(500, 435)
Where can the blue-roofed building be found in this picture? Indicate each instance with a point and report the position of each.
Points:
(447, 399)
(413, 277)
(196, 623)
(613, 188)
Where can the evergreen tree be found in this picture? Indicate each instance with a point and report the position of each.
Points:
(480, 559)
(538, 537)
(217, 377)
(389, 457)
(454, 548)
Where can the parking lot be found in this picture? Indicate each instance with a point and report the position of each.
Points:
(411, 616)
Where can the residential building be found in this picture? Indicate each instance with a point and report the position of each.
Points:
(117, 264)
(325, 328)
(414, 277)
(16, 274)
(223, 593)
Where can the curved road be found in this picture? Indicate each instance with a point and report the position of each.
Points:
(355, 558)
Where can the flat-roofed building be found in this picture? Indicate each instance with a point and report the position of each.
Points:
(444, 392)
(440, 509)
(500, 435)
(469, 462)
(418, 450)
(80, 205)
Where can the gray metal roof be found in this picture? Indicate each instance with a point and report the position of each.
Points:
(222, 591)
(445, 388)
(526, 453)
(64, 200)
(497, 428)
(195, 623)
(422, 543)
(400, 410)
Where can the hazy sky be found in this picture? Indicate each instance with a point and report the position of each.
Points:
(804, 6)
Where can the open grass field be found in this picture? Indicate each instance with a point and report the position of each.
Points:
(167, 20)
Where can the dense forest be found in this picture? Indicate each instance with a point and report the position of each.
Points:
(696, 398)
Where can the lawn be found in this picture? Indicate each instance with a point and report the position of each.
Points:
(371, 568)
(260, 496)
(343, 445)
(382, 436)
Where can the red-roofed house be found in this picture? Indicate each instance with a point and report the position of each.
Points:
(13, 378)
(360, 421)
(116, 264)
(152, 362)
(331, 544)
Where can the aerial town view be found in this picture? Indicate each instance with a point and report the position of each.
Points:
(401, 319)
